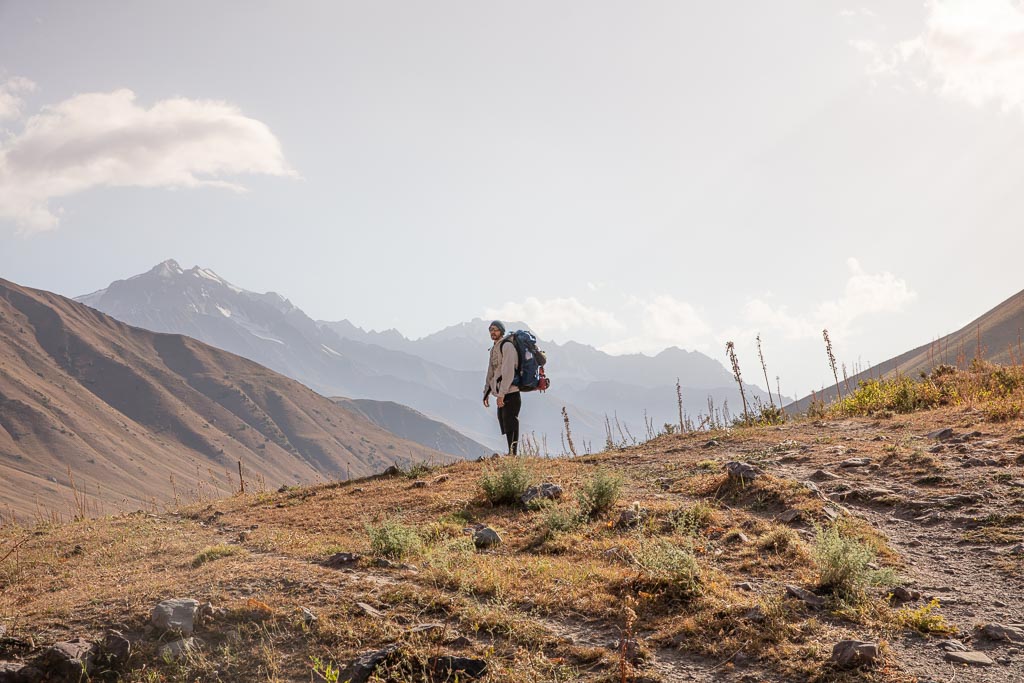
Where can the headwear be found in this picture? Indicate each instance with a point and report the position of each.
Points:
(500, 325)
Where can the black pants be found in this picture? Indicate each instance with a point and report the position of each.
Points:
(508, 418)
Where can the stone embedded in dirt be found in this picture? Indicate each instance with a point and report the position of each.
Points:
(450, 667)
(66, 661)
(1012, 633)
(822, 475)
(738, 537)
(1017, 549)
(941, 434)
(355, 491)
(177, 614)
(308, 618)
(789, 516)
(384, 563)
(392, 471)
(852, 654)
(116, 648)
(370, 611)
(486, 537)
(745, 586)
(904, 594)
(628, 649)
(425, 628)
(440, 479)
(937, 448)
(755, 614)
(709, 444)
(971, 658)
(339, 560)
(360, 670)
(631, 517)
(419, 484)
(179, 648)
(743, 471)
(17, 672)
(952, 646)
(855, 462)
(461, 641)
(805, 596)
(547, 491)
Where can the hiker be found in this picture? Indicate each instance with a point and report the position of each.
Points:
(501, 371)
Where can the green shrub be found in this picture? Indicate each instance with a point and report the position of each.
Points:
(600, 493)
(214, 552)
(562, 518)
(392, 539)
(670, 568)
(843, 564)
(779, 540)
(506, 484)
(924, 619)
(692, 519)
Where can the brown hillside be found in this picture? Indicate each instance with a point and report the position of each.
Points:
(139, 416)
(1002, 341)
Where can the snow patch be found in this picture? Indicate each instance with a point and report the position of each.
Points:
(226, 312)
(331, 351)
(260, 336)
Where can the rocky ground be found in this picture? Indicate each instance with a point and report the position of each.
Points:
(694, 574)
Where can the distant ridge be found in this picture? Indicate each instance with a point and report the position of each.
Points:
(1000, 331)
(135, 416)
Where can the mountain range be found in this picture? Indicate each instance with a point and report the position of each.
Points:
(92, 408)
(440, 375)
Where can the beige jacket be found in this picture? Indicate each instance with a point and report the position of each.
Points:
(501, 369)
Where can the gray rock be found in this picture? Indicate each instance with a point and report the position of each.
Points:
(486, 537)
(852, 654)
(822, 475)
(755, 614)
(360, 670)
(745, 586)
(941, 434)
(425, 628)
(631, 517)
(1002, 632)
(789, 516)
(461, 641)
(440, 479)
(546, 491)
(805, 596)
(855, 462)
(116, 648)
(392, 471)
(370, 611)
(1017, 549)
(308, 618)
(177, 614)
(971, 658)
(384, 563)
(743, 472)
(952, 646)
(710, 444)
(738, 537)
(177, 649)
(16, 672)
(904, 594)
(68, 661)
(419, 484)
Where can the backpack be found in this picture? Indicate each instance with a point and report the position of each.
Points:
(530, 362)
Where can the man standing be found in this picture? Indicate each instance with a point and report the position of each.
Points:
(501, 371)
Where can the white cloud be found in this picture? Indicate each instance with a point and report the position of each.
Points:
(664, 321)
(972, 50)
(107, 140)
(10, 97)
(555, 315)
(865, 294)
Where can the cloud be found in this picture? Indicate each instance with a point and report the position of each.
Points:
(971, 50)
(555, 315)
(865, 294)
(664, 321)
(10, 97)
(107, 140)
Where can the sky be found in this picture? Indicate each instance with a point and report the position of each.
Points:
(631, 175)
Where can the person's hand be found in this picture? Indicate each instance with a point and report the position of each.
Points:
(501, 401)
(487, 402)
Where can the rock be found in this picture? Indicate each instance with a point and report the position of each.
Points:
(547, 491)
(450, 667)
(853, 654)
(68, 661)
(822, 475)
(16, 672)
(177, 614)
(855, 462)
(971, 658)
(710, 444)
(737, 537)
(941, 434)
(486, 537)
(745, 586)
(743, 471)
(179, 648)
(360, 670)
(392, 471)
(789, 516)
(805, 596)
(904, 594)
(116, 648)
(370, 611)
(425, 628)
(419, 484)
(631, 517)
(627, 648)
(440, 479)
(1012, 634)
(339, 560)
(952, 646)
(308, 618)
(384, 563)
(461, 641)
(937, 448)
(1017, 549)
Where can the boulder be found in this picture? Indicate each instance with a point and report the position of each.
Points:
(486, 537)
(67, 661)
(177, 614)
(116, 648)
(547, 491)
(360, 670)
(1013, 633)
(853, 654)
(743, 472)
(805, 596)
(971, 658)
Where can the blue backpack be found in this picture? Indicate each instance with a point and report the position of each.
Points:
(530, 364)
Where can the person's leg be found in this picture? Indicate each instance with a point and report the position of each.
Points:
(513, 402)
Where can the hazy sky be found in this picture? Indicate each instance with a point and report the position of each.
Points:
(629, 174)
